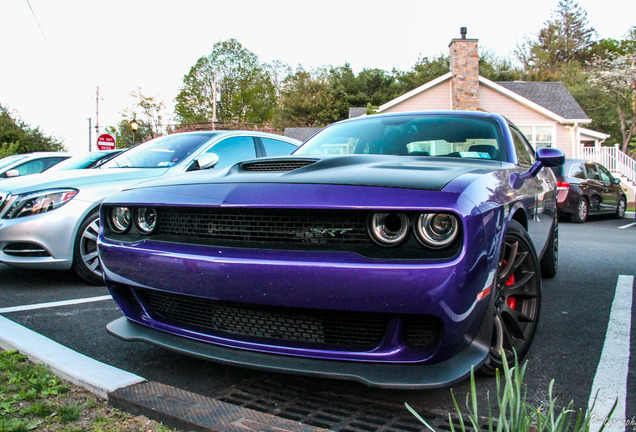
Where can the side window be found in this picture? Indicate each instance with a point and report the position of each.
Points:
(604, 174)
(48, 163)
(525, 154)
(577, 171)
(274, 147)
(592, 172)
(32, 167)
(233, 150)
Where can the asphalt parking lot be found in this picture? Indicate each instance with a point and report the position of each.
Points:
(582, 343)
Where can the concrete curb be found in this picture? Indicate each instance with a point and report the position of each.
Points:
(70, 365)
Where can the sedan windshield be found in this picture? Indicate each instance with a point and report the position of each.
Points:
(162, 152)
(412, 135)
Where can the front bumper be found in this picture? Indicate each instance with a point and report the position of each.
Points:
(395, 376)
(45, 240)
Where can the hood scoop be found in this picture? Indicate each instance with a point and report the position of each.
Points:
(282, 165)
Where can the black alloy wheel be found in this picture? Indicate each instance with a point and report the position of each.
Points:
(550, 260)
(517, 299)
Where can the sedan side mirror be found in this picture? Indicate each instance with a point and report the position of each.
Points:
(13, 173)
(546, 157)
(207, 160)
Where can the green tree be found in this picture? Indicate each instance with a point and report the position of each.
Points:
(566, 37)
(17, 137)
(423, 71)
(615, 77)
(229, 82)
(306, 100)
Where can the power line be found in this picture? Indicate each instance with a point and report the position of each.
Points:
(36, 20)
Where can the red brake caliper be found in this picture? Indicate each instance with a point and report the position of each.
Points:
(512, 301)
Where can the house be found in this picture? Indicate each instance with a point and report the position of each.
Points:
(545, 112)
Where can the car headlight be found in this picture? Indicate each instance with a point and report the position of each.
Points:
(39, 202)
(146, 219)
(389, 229)
(119, 219)
(437, 230)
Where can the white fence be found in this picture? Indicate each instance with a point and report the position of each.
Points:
(613, 159)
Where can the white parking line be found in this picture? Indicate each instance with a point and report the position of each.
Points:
(610, 382)
(54, 304)
(627, 226)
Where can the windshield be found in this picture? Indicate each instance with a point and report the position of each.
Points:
(80, 161)
(162, 152)
(6, 161)
(412, 135)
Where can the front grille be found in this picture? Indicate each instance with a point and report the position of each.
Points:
(271, 226)
(276, 166)
(349, 329)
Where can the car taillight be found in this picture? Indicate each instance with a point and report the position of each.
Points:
(563, 186)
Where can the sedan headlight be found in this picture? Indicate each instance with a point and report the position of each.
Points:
(39, 202)
(437, 230)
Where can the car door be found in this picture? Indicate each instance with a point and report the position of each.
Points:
(611, 191)
(596, 187)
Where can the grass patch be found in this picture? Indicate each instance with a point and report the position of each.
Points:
(513, 412)
(33, 398)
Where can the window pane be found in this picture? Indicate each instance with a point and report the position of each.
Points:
(233, 150)
(274, 147)
(524, 155)
(543, 136)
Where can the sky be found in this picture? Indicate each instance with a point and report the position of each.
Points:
(55, 54)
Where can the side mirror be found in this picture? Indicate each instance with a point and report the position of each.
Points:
(550, 157)
(546, 156)
(13, 173)
(207, 160)
(616, 181)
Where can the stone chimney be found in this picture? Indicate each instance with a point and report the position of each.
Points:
(464, 63)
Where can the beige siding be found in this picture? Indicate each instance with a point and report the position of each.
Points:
(436, 98)
(492, 101)
(521, 115)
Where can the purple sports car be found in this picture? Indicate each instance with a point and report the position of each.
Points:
(398, 250)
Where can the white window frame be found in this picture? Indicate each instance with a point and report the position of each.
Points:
(533, 138)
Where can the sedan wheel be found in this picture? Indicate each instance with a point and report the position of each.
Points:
(86, 262)
(582, 209)
(517, 299)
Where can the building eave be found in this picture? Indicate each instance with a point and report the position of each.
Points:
(414, 92)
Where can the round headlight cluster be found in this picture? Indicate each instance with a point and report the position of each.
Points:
(389, 228)
(435, 230)
(121, 219)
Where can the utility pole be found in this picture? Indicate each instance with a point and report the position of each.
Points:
(90, 131)
(97, 112)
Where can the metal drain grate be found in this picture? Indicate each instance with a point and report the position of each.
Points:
(329, 411)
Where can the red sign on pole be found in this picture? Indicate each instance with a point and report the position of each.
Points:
(106, 142)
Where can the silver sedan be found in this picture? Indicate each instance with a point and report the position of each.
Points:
(51, 221)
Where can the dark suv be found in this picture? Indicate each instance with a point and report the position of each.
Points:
(587, 188)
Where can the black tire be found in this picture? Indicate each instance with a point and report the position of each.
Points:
(582, 211)
(620, 208)
(517, 299)
(86, 262)
(550, 260)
